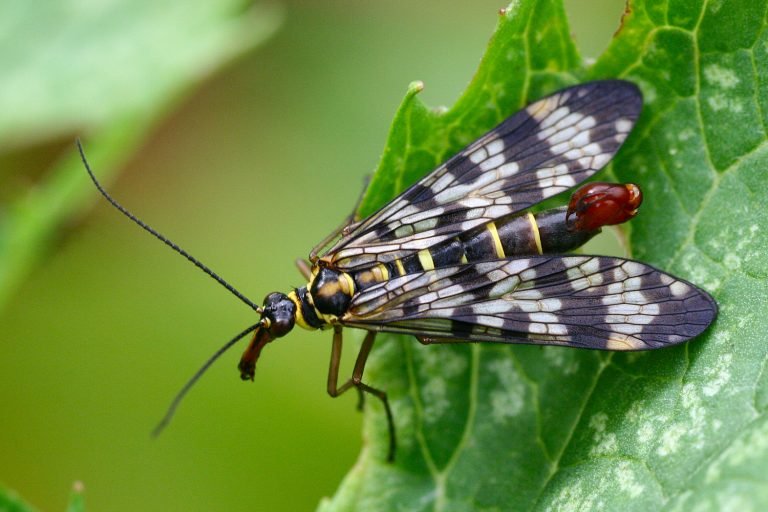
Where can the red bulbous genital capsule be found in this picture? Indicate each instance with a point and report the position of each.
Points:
(602, 204)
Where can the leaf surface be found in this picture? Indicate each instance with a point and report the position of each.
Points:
(529, 428)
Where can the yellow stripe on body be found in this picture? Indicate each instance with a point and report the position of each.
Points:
(400, 268)
(536, 234)
(491, 227)
(299, 316)
(347, 284)
(425, 258)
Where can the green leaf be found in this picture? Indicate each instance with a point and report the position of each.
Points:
(106, 73)
(12, 502)
(76, 498)
(515, 427)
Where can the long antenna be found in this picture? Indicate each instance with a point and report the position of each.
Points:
(191, 382)
(162, 238)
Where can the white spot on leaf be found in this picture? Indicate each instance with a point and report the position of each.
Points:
(508, 398)
(670, 440)
(437, 368)
(721, 76)
(718, 375)
(721, 101)
(628, 481)
(604, 442)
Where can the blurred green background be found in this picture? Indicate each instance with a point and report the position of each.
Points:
(247, 170)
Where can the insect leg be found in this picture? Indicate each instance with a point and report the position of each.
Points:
(330, 238)
(304, 267)
(357, 375)
(333, 372)
(347, 223)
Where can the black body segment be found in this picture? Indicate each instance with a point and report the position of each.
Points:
(520, 235)
(483, 244)
(331, 292)
(555, 235)
(449, 253)
(514, 235)
(306, 316)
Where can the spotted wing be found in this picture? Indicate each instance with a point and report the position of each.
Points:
(542, 150)
(583, 301)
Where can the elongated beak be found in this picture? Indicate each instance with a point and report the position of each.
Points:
(247, 365)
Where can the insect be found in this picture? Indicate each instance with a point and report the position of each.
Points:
(457, 257)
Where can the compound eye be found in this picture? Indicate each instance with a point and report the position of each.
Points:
(273, 299)
(282, 316)
(282, 326)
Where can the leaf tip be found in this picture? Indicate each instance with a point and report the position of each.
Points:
(508, 11)
(415, 87)
(76, 498)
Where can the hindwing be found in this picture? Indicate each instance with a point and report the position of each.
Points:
(584, 301)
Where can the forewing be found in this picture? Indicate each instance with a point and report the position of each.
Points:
(583, 301)
(544, 149)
